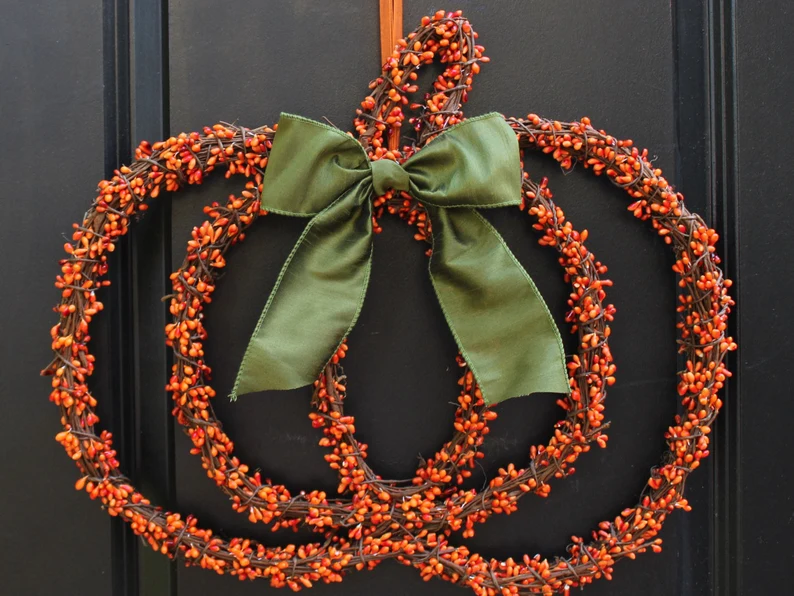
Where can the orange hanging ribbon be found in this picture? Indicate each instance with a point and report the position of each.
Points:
(391, 30)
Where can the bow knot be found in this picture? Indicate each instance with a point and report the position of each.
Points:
(388, 174)
(496, 315)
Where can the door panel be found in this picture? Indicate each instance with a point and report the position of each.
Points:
(688, 80)
(51, 107)
(761, 219)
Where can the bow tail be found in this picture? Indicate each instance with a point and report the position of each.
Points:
(316, 300)
(499, 320)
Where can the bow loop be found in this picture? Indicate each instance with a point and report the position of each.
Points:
(473, 164)
(499, 320)
(314, 171)
(310, 166)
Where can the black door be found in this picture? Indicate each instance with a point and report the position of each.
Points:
(705, 85)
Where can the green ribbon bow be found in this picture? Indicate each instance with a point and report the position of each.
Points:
(499, 320)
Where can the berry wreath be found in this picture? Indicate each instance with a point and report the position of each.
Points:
(417, 531)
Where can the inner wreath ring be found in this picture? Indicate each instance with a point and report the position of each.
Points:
(371, 503)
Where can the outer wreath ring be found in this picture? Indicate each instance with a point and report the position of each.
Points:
(703, 341)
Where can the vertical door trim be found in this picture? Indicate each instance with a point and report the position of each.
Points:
(116, 71)
(724, 155)
(150, 270)
(136, 103)
(693, 170)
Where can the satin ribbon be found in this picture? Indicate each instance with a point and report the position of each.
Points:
(499, 320)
